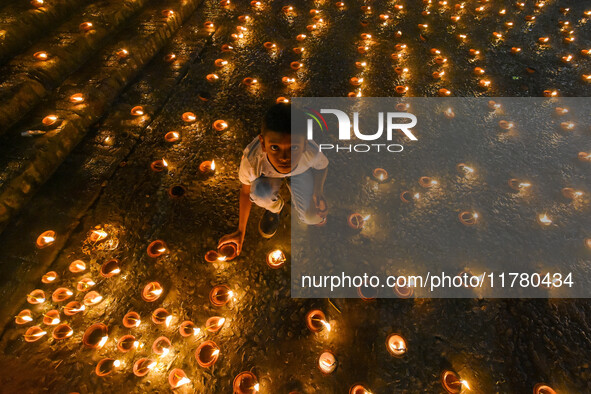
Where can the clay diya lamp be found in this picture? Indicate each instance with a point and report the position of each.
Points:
(49, 120)
(213, 256)
(95, 336)
(220, 63)
(452, 383)
(188, 117)
(316, 321)
(207, 354)
(122, 53)
(427, 182)
(396, 345)
(152, 291)
(62, 331)
(207, 167)
(358, 389)
(161, 316)
(282, 99)
(276, 259)
(106, 366)
(176, 191)
(23, 317)
(34, 334)
(220, 295)
(92, 298)
(161, 346)
(61, 294)
(41, 55)
(77, 266)
(228, 251)
(77, 98)
(542, 388)
(379, 174)
(159, 165)
(270, 46)
(468, 218)
(49, 277)
(570, 193)
(172, 136)
(367, 293)
(356, 221)
(245, 383)
(215, 323)
(248, 81)
(47, 238)
(51, 318)
(86, 27)
(142, 366)
(301, 37)
(127, 343)
(444, 92)
(518, 185)
(110, 268)
(403, 291)
(188, 329)
(464, 169)
(35, 297)
(73, 307)
(584, 157)
(132, 320)
(156, 248)
(138, 110)
(327, 363)
(177, 378)
(85, 284)
(220, 125)
(407, 197)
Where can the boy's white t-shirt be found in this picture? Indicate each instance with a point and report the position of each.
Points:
(255, 163)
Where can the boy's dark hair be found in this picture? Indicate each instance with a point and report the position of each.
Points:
(278, 118)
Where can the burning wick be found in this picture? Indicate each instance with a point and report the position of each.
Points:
(427, 182)
(47, 238)
(34, 334)
(396, 345)
(172, 136)
(110, 268)
(61, 294)
(161, 316)
(468, 218)
(189, 117)
(23, 317)
(407, 196)
(138, 110)
(142, 366)
(327, 363)
(49, 120)
(49, 277)
(159, 165)
(77, 98)
(220, 295)
(220, 125)
(73, 308)
(97, 235)
(131, 320)
(106, 366)
(316, 321)
(161, 346)
(358, 389)
(41, 55)
(245, 383)
(570, 193)
(214, 323)
(357, 221)
(156, 248)
(544, 220)
(177, 378)
(152, 291)
(85, 27)
(187, 329)
(452, 383)
(380, 175)
(77, 266)
(92, 298)
(207, 354)
(95, 336)
(207, 166)
(37, 296)
(51, 318)
(275, 258)
(37, 3)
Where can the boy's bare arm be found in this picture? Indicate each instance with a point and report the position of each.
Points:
(318, 197)
(237, 237)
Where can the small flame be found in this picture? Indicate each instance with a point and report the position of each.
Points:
(151, 365)
(164, 163)
(215, 352)
(416, 196)
(50, 278)
(366, 217)
(162, 250)
(165, 351)
(213, 162)
(465, 383)
(544, 219)
(103, 341)
(175, 134)
(524, 184)
(55, 321)
(168, 320)
(256, 387)
(222, 258)
(115, 271)
(326, 324)
(196, 331)
(137, 323)
(116, 363)
(136, 344)
(183, 381)
(48, 239)
(26, 318)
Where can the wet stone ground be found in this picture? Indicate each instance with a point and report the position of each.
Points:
(496, 345)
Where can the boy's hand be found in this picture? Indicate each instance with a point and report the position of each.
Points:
(236, 237)
(320, 204)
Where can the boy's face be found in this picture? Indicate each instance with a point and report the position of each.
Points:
(284, 151)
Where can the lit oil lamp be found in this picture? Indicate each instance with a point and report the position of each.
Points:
(275, 259)
(86, 27)
(212, 77)
(73, 307)
(464, 169)
(49, 277)
(570, 193)
(207, 167)
(358, 389)
(401, 89)
(356, 221)
(167, 13)
(188, 329)
(159, 165)
(478, 71)
(484, 83)
(287, 9)
(400, 70)
(207, 354)
(542, 388)
(49, 120)
(77, 266)
(311, 27)
(506, 125)
(444, 92)
(299, 50)
(172, 136)
(518, 185)
(586, 52)
(62, 331)
(407, 196)
(340, 4)
(97, 235)
(61, 294)
(245, 383)
(107, 366)
(132, 320)
(170, 58)
(544, 220)
(584, 157)
(455, 18)
(34, 333)
(122, 53)
(37, 3)
(212, 256)
(227, 48)
(427, 182)
(127, 343)
(474, 52)
(177, 378)
(35, 297)
(77, 98)
(468, 218)
(161, 316)
(567, 58)
(142, 366)
(586, 77)
(208, 25)
(51, 318)
(189, 117)
(41, 55)
(220, 125)
(399, 7)
(509, 24)
(449, 113)
(403, 291)
(287, 80)
(47, 238)
(316, 321)
(23, 317)
(588, 243)
(327, 363)
(452, 383)
(92, 298)
(215, 323)
(248, 81)
(95, 336)
(161, 346)
(220, 63)
(438, 74)
(110, 268)
(152, 291)
(396, 345)
(156, 248)
(356, 81)
(567, 126)
(550, 93)
(220, 295)
(138, 110)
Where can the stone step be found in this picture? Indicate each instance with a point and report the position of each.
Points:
(27, 80)
(29, 162)
(21, 23)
